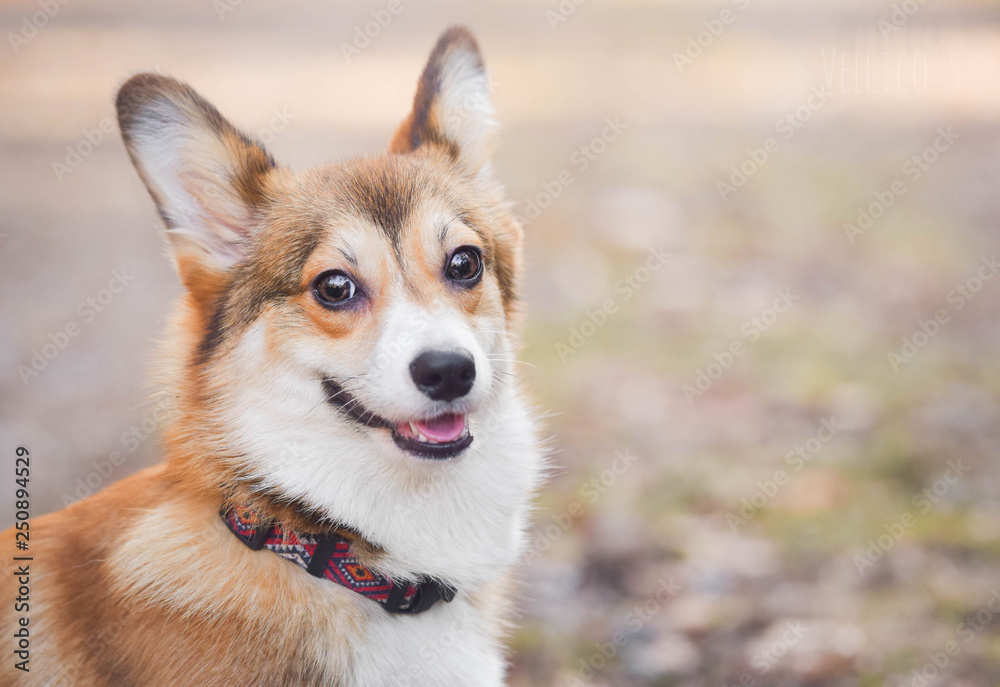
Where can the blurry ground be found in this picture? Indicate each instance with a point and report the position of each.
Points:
(683, 539)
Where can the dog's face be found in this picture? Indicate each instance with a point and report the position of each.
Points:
(361, 309)
(400, 305)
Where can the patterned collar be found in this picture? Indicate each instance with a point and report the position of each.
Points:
(329, 557)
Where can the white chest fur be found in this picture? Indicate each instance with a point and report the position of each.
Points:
(448, 646)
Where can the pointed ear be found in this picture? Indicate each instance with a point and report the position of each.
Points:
(452, 108)
(207, 178)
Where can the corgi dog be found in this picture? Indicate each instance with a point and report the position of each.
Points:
(349, 458)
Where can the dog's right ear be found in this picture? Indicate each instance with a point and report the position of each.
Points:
(207, 178)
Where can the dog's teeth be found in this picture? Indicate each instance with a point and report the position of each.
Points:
(418, 434)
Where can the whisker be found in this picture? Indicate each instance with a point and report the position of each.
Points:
(510, 360)
(344, 379)
(343, 390)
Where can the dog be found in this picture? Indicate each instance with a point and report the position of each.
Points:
(349, 456)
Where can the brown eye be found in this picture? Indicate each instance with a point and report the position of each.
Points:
(465, 266)
(334, 288)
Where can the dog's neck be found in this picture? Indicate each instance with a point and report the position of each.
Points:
(336, 558)
(273, 506)
(461, 522)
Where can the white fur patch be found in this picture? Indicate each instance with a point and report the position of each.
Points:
(466, 108)
(445, 647)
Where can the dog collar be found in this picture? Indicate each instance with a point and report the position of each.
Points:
(328, 556)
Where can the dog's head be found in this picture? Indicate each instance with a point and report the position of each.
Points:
(353, 319)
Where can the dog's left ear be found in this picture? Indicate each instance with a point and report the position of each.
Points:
(452, 108)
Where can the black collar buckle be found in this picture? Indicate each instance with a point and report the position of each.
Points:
(428, 594)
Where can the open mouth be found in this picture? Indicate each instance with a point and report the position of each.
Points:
(443, 436)
(440, 437)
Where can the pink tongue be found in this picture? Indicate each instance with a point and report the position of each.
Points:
(443, 428)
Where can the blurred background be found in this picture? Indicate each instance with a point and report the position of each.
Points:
(762, 304)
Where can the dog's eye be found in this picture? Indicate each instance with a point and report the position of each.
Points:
(334, 288)
(465, 265)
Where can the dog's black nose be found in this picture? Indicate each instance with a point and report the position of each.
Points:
(443, 375)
